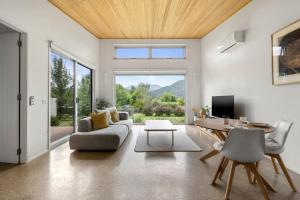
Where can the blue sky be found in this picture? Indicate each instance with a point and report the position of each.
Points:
(157, 52)
(162, 80)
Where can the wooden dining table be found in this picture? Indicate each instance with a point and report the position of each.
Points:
(220, 129)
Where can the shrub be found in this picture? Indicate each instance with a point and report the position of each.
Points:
(127, 108)
(179, 111)
(180, 101)
(139, 118)
(163, 110)
(54, 121)
(148, 109)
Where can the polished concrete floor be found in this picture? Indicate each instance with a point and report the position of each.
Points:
(125, 174)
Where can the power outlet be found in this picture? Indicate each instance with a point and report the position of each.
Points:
(31, 100)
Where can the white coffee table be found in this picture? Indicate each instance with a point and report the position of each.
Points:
(159, 125)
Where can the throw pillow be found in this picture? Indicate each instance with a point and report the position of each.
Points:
(107, 115)
(114, 116)
(99, 120)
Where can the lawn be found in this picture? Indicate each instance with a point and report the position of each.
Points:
(141, 118)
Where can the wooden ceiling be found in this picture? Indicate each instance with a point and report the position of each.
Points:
(152, 19)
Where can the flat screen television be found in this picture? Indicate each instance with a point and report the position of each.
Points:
(223, 106)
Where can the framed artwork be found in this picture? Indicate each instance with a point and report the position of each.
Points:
(286, 55)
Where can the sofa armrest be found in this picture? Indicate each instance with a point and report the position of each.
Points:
(85, 125)
(123, 115)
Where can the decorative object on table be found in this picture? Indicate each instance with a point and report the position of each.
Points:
(102, 104)
(226, 121)
(204, 111)
(196, 112)
(286, 55)
(244, 120)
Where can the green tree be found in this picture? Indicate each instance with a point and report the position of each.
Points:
(180, 101)
(61, 87)
(140, 96)
(84, 95)
(122, 96)
(168, 97)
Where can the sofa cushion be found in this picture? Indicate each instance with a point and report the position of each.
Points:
(109, 138)
(128, 123)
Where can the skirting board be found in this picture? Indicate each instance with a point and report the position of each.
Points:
(37, 155)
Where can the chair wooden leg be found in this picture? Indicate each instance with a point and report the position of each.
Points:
(286, 173)
(254, 179)
(229, 182)
(248, 174)
(209, 155)
(218, 171)
(259, 180)
(223, 168)
(274, 165)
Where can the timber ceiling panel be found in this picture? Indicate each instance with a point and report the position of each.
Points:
(130, 19)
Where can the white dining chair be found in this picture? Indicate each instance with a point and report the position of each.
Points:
(243, 147)
(275, 146)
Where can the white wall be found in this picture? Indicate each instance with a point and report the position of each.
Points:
(191, 65)
(42, 22)
(246, 71)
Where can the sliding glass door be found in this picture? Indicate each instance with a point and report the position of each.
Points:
(70, 93)
(62, 102)
(84, 91)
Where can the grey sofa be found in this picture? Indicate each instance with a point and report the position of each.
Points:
(110, 138)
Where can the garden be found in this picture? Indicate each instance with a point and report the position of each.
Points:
(142, 105)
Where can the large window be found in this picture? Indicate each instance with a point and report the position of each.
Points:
(151, 97)
(125, 53)
(168, 53)
(150, 52)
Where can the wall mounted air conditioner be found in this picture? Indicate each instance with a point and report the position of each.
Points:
(231, 40)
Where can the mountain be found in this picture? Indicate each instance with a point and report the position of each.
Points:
(152, 87)
(176, 88)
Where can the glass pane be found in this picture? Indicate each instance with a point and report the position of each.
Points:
(62, 97)
(148, 97)
(84, 91)
(132, 52)
(168, 52)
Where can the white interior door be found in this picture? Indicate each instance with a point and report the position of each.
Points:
(9, 89)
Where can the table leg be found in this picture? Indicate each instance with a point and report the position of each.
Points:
(172, 138)
(148, 137)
